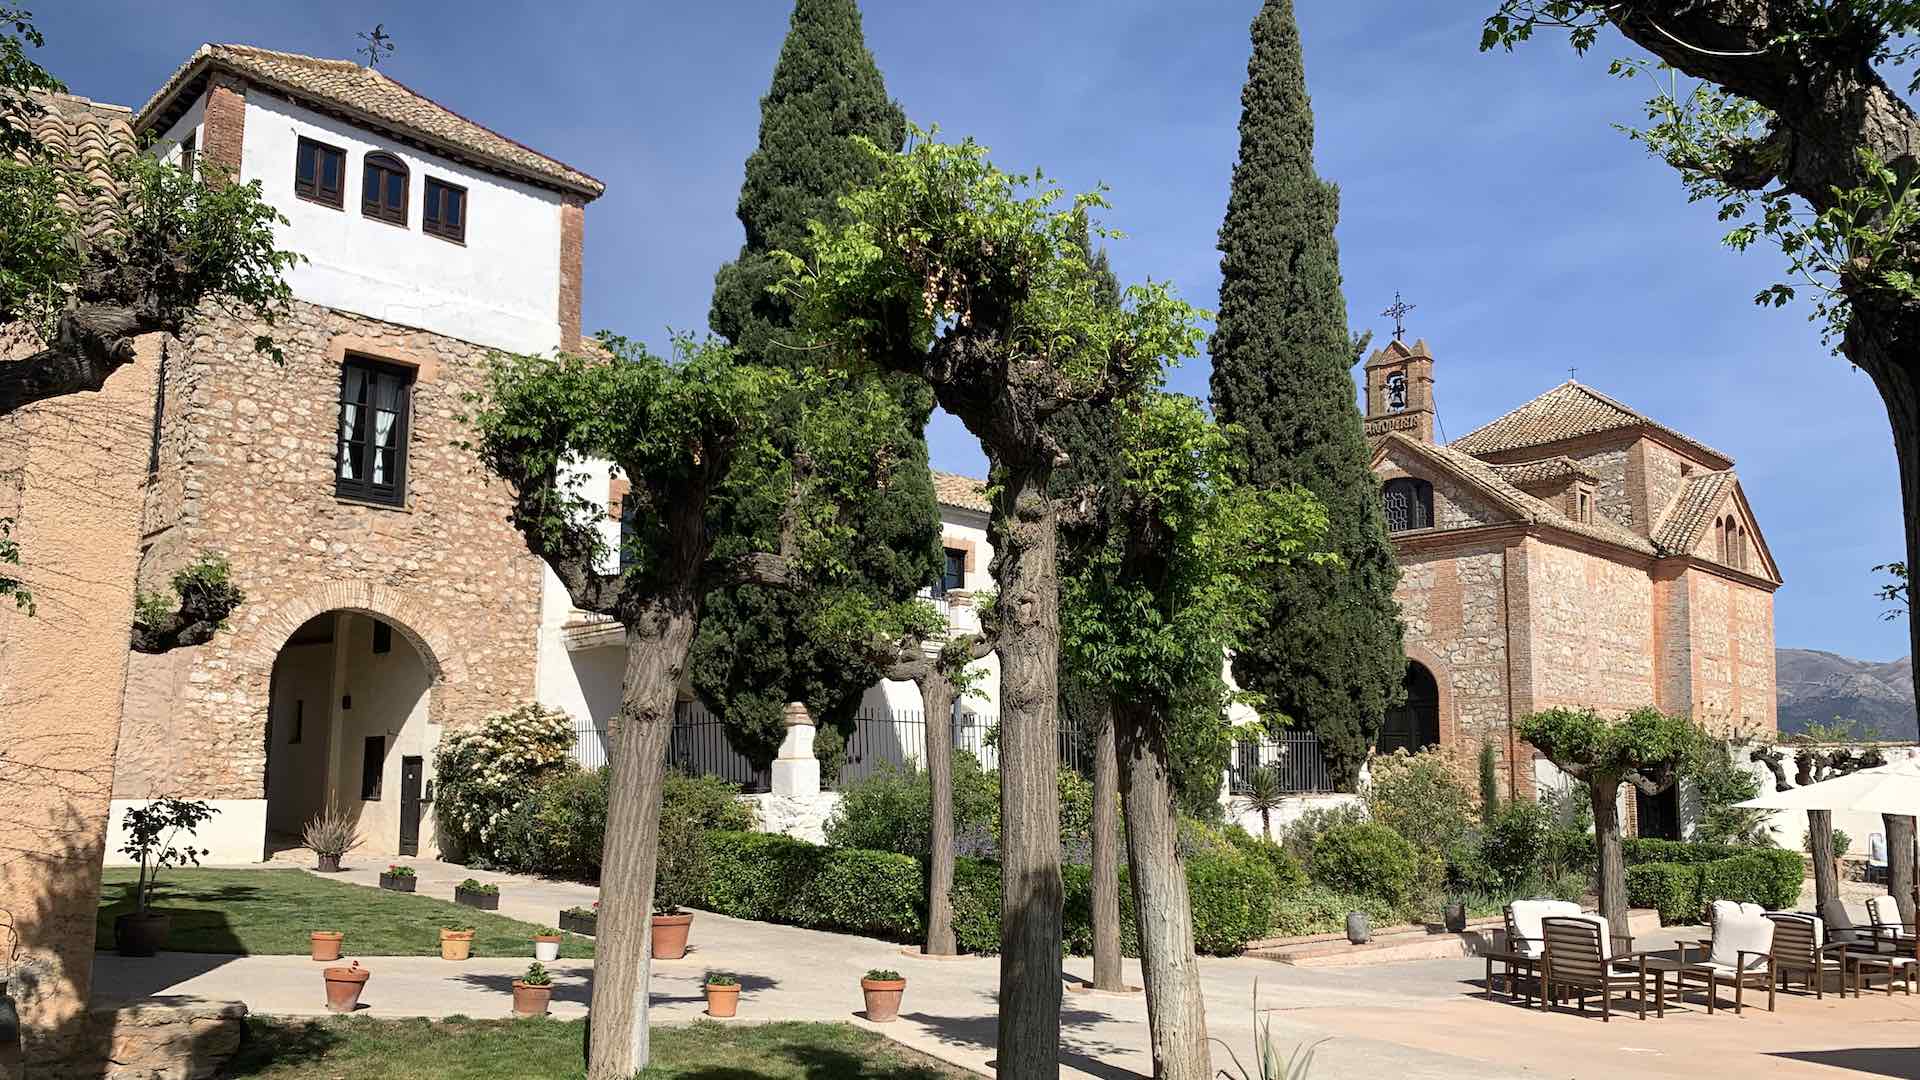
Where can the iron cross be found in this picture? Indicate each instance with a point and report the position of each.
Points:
(1398, 313)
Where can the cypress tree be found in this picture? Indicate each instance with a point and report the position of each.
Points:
(759, 648)
(1329, 655)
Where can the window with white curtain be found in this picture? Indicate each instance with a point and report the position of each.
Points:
(372, 448)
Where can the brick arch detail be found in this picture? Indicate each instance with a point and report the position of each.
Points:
(423, 630)
(1443, 679)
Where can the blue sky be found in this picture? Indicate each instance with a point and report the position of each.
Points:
(1490, 189)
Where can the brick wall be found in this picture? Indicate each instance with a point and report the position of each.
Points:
(573, 230)
(225, 124)
(1591, 630)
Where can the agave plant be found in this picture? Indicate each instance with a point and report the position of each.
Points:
(330, 834)
(1267, 1062)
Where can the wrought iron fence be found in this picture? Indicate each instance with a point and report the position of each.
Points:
(1294, 756)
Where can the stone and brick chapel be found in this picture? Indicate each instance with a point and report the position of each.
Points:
(1572, 552)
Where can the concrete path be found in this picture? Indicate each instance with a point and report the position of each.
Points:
(1411, 1021)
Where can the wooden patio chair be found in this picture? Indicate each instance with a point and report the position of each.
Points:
(1839, 928)
(1524, 944)
(1579, 957)
(1798, 947)
(1740, 954)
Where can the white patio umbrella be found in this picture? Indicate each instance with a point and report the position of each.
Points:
(1889, 789)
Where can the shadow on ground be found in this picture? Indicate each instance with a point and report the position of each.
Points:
(1088, 1055)
(1869, 1060)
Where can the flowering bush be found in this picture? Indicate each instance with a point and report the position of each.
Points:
(483, 774)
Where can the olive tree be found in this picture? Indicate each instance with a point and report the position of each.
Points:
(1645, 748)
(693, 434)
(1171, 581)
(946, 268)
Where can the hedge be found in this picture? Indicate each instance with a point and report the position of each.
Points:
(777, 879)
(1681, 890)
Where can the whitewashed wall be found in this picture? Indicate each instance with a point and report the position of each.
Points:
(583, 683)
(957, 526)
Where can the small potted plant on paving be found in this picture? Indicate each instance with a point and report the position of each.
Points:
(580, 920)
(883, 987)
(533, 992)
(330, 835)
(683, 864)
(151, 833)
(475, 895)
(456, 942)
(398, 878)
(326, 944)
(344, 985)
(546, 944)
(723, 994)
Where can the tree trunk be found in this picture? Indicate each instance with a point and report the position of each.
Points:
(1900, 856)
(657, 643)
(1820, 846)
(1612, 864)
(1106, 864)
(936, 695)
(1176, 1012)
(1881, 342)
(1028, 1046)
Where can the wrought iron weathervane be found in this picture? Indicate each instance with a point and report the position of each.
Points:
(379, 44)
(1398, 313)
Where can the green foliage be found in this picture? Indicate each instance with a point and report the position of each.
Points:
(485, 774)
(1517, 847)
(681, 874)
(10, 556)
(1420, 797)
(537, 975)
(890, 810)
(1721, 784)
(1318, 909)
(1489, 783)
(771, 878)
(1289, 875)
(1645, 741)
(1301, 836)
(1328, 653)
(202, 590)
(154, 831)
(1682, 889)
(882, 975)
(1365, 858)
(559, 828)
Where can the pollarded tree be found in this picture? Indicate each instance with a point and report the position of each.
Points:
(1645, 748)
(1172, 580)
(761, 648)
(971, 279)
(1328, 654)
(690, 434)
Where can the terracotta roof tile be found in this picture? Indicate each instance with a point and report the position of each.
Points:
(1692, 510)
(86, 138)
(1567, 411)
(1522, 504)
(1523, 473)
(964, 492)
(367, 92)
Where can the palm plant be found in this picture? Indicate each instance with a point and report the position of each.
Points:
(1265, 793)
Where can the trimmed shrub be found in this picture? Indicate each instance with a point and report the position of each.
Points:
(769, 878)
(1420, 797)
(890, 810)
(1368, 859)
(1681, 890)
(1289, 876)
(707, 801)
(1517, 843)
(1317, 909)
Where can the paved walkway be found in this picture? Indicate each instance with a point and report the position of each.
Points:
(1411, 1021)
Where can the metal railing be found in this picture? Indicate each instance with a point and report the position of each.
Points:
(1294, 756)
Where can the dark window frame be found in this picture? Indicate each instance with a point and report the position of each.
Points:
(373, 767)
(382, 637)
(189, 147)
(433, 210)
(311, 190)
(950, 581)
(373, 190)
(1418, 495)
(364, 489)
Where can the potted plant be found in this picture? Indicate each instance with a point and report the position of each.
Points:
(151, 832)
(533, 992)
(882, 988)
(546, 944)
(398, 878)
(344, 985)
(456, 942)
(579, 920)
(326, 944)
(330, 834)
(682, 869)
(671, 926)
(723, 994)
(475, 895)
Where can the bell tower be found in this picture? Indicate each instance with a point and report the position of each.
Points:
(1400, 391)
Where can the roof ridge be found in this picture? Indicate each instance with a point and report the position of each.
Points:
(242, 46)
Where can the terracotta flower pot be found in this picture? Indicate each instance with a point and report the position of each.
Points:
(456, 944)
(344, 985)
(546, 949)
(531, 1000)
(883, 998)
(326, 944)
(670, 936)
(140, 933)
(723, 1000)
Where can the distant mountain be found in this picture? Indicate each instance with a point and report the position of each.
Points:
(1815, 687)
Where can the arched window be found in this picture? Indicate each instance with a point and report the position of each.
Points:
(1739, 548)
(1720, 538)
(1408, 503)
(383, 189)
(1415, 725)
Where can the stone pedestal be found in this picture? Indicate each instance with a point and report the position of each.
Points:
(796, 772)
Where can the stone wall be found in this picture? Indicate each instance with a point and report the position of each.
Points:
(151, 1042)
(246, 469)
(803, 817)
(1453, 604)
(1613, 495)
(1592, 630)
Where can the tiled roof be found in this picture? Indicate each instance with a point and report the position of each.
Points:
(964, 492)
(86, 137)
(1523, 505)
(371, 95)
(1692, 509)
(1523, 473)
(1567, 411)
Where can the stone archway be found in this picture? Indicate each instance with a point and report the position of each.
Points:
(421, 629)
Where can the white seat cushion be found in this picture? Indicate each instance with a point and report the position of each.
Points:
(1526, 923)
(1884, 911)
(1737, 933)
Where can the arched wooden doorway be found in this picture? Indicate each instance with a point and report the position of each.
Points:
(1415, 725)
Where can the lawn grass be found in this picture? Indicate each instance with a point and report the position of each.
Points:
(271, 912)
(460, 1049)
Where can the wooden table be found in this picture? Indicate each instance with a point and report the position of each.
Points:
(1659, 967)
